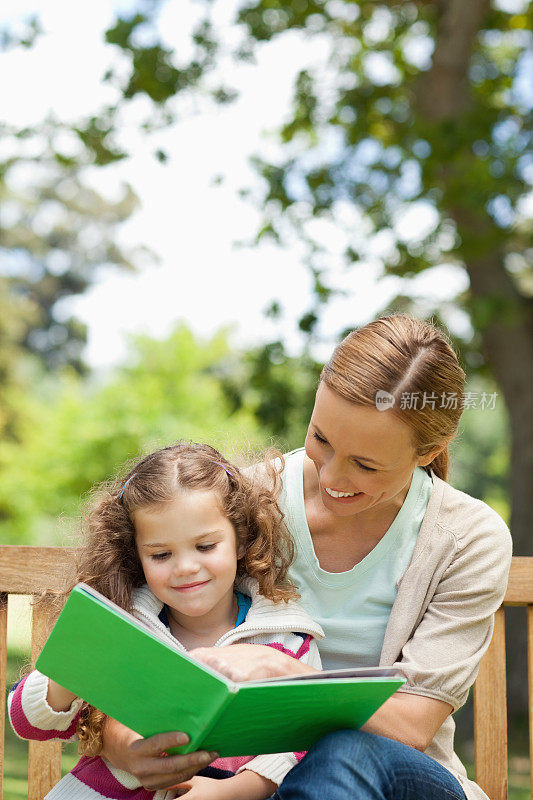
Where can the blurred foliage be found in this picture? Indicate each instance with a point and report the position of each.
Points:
(416, 107)
(279, 390)
(480, 454)
(56, 234)
(409, 111)
(72, 433)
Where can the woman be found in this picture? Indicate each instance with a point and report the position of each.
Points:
(397, 566)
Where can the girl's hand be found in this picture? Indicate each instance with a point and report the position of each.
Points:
(200, 788)
(247, 785)
(147, 759)
(249, 662)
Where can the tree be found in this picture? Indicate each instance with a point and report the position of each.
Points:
(57, 233)
(451, 132)
(72, 433)
(419, 109)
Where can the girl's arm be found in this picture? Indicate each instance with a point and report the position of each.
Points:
(58, 698)
(32, 716)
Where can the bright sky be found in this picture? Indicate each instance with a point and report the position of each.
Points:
(191, 224)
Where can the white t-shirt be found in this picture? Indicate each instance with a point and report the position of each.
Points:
(352, 607)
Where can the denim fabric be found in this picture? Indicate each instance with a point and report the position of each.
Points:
(352, 765)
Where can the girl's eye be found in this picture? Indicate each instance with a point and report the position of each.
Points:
(319, 438)
(204, 548)
(160, 556)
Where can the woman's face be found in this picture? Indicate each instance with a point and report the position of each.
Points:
(364, 458)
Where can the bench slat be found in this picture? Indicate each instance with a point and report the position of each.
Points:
(29, 570)
(520, 588)
(490, 716)
(530, 690)
(44, 758)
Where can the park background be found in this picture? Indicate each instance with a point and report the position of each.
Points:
(197, 199)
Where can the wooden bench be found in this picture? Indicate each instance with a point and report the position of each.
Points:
(29, 570)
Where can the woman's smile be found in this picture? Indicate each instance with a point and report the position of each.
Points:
(342, 497)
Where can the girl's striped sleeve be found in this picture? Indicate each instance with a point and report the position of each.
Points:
(32, 718)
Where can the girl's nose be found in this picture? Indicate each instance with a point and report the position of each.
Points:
(186, 565)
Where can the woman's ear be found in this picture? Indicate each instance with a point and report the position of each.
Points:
(426, 459)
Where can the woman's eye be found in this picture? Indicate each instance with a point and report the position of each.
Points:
(367, 469)
(160, 556)
(204, 548)
(324, 441)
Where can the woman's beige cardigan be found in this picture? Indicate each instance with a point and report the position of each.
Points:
(442, 620)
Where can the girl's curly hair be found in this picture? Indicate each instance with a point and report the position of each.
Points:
(108, 560)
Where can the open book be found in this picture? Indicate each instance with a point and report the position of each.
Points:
(111, 660)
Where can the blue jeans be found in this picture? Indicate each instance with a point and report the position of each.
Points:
(352, 765)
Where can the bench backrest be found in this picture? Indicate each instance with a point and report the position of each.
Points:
(30, 570)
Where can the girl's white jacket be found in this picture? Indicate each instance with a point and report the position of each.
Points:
(286, 626)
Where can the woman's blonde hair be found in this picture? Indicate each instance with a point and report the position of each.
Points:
(414, 364)
(108, 560)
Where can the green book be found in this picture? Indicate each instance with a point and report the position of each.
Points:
(109, 658)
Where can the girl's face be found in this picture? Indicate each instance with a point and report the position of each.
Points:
(360, 452)
(188, 552)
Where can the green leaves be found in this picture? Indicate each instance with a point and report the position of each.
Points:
(71, 433)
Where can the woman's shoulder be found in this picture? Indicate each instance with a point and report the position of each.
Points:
(465, 516)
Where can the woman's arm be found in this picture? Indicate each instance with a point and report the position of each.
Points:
(409, 718)
(146, 759)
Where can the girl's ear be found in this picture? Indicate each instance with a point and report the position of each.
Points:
(241, 550)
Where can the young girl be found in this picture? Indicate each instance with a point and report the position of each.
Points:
(195, 550)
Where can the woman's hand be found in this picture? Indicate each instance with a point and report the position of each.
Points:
(147, 759)
(250, 662)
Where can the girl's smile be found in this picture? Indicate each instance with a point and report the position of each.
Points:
(189, 587)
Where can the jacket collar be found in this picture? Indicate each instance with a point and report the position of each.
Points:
(263, 616)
